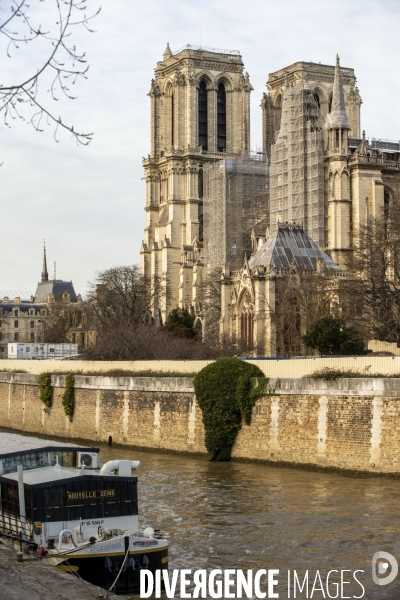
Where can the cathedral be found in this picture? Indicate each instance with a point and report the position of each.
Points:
(217, 209)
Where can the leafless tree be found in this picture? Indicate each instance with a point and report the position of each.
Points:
(375, 288)
(63, 315)
(210, 293)
(122, 294)
(302, 298)
(58, 57)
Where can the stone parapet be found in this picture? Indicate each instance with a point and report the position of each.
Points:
(346, 424)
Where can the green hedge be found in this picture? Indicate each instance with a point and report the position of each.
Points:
(226, 392)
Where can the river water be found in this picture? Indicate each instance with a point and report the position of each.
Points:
(257, 516)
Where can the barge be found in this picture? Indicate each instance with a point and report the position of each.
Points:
(56, 501)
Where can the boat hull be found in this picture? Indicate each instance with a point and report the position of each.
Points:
(102, 570)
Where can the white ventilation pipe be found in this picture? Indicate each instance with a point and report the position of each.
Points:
(114, 465)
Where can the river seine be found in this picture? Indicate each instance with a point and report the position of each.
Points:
(256, 516)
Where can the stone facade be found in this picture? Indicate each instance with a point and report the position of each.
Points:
(320, 79)
(183, 139)
(349, 424)
(323, 176)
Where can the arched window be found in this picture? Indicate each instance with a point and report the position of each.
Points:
(316, 98)
(278, 112)
(345, 186)
(330, 103)
(201, 187)
(203, 116)
(172, 121)
(386, 206)
(221, 118)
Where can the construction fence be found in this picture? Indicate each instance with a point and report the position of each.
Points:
(271, 367)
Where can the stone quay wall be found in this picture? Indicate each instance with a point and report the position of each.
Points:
(349, 424)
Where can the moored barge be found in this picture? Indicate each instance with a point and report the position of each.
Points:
(56, 501)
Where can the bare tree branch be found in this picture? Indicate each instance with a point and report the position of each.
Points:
(63, 60)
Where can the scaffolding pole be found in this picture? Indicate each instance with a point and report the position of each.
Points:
(235, 199)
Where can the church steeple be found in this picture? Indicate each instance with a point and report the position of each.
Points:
(45, 275)
(337, 118)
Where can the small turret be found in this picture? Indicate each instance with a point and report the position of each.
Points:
(167, 52)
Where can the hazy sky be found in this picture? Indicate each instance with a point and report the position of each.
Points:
(88, 201)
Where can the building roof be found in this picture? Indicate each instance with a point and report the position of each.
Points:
(23, 295)
(23, 308)
(56, 287)
(290, 245)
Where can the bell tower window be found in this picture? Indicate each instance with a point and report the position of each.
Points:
(203, 116)
(221, 118)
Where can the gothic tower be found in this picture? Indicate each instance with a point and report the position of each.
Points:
(200, 112)
(338, 233)
(320, 79)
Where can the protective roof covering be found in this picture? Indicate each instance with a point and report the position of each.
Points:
(385, 145)
(290, 245)
(23, 295)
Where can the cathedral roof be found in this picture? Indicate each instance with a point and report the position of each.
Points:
(290, 245)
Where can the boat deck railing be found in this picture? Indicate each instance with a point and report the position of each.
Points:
(17, 528)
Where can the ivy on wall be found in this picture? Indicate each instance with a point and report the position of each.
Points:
(68, 399)
(45, 390)
(226, 392)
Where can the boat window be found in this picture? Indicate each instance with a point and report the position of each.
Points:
(37, 459)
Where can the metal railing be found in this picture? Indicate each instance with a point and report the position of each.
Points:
(205, 49)
(11, 527)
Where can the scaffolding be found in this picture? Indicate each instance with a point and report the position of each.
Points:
(297, 164)
(235, 199)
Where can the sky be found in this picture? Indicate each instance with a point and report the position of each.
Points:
(88, 202)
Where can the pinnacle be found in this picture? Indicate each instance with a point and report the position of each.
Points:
(167, 52)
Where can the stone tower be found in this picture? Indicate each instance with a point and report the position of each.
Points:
(320, 79)
(200, 112)
(339, 201)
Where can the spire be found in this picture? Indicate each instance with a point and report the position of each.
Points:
(167, 52)
(45, 275)
(337, 118)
